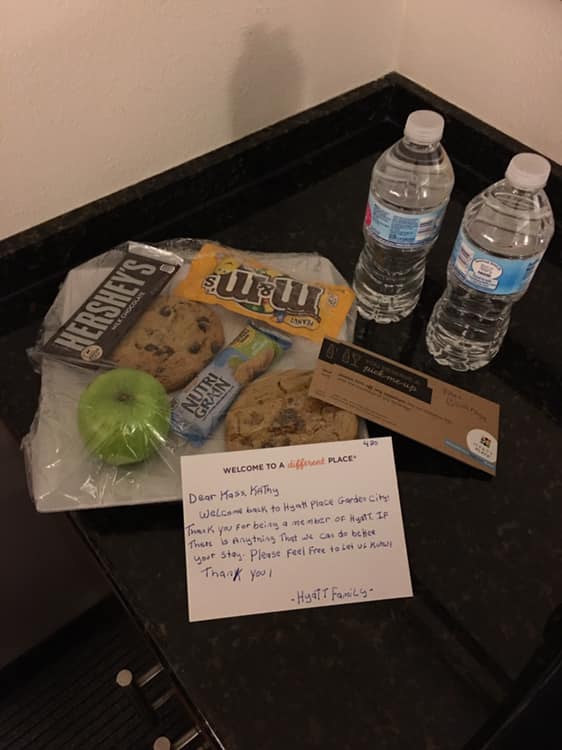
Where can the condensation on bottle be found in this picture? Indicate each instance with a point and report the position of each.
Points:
(411, 183)
(503, 237)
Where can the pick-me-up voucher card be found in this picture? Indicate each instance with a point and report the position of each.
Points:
(293, 527)
(451, 420)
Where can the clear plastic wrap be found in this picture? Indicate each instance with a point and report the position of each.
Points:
(63, 474)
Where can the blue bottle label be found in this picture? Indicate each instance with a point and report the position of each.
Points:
(489, 273)
(400, 229)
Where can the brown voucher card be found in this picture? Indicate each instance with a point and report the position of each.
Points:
(435, 413)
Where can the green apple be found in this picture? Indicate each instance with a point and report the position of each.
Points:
(124, 416)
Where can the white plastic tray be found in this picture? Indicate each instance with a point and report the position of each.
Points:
(63, 476)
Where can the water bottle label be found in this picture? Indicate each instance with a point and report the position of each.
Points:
(401, 229)
(489, 273)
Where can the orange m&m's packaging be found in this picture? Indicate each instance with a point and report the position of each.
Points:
(221, 276)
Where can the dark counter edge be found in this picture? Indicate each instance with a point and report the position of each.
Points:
(196, 715)
(33, 262)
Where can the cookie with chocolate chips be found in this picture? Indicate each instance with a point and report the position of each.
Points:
(277, 410)
(173, 340)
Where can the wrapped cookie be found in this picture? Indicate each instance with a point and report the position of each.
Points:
(173, 340)
(199, 408)
(277, 410)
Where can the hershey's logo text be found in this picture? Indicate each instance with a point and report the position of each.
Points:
(104, 306)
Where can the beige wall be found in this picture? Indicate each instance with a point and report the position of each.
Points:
(96, 95)
(501, 60)
(99, 94)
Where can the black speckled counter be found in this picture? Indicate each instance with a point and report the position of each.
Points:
(486, 554)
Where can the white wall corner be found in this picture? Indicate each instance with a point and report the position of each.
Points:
(501, 61)
(98, 96)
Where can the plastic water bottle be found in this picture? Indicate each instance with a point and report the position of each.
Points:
(504, 234)
(410, 187)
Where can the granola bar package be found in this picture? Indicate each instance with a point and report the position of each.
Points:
(234, 280)
(203, 403)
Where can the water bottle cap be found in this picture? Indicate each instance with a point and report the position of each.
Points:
(424, 126)
(528, 171)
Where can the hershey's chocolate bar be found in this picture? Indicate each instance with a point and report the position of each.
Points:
(103, 319)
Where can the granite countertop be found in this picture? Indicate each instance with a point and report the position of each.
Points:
(485, 553)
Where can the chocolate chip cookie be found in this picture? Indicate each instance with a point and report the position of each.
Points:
(277, 410)
(173, 340)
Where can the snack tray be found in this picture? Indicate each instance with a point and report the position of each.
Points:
(61, 474)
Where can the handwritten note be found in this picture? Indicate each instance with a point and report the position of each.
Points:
(293, 527)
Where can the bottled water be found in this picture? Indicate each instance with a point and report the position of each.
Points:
(410, 188)
(504, 234)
